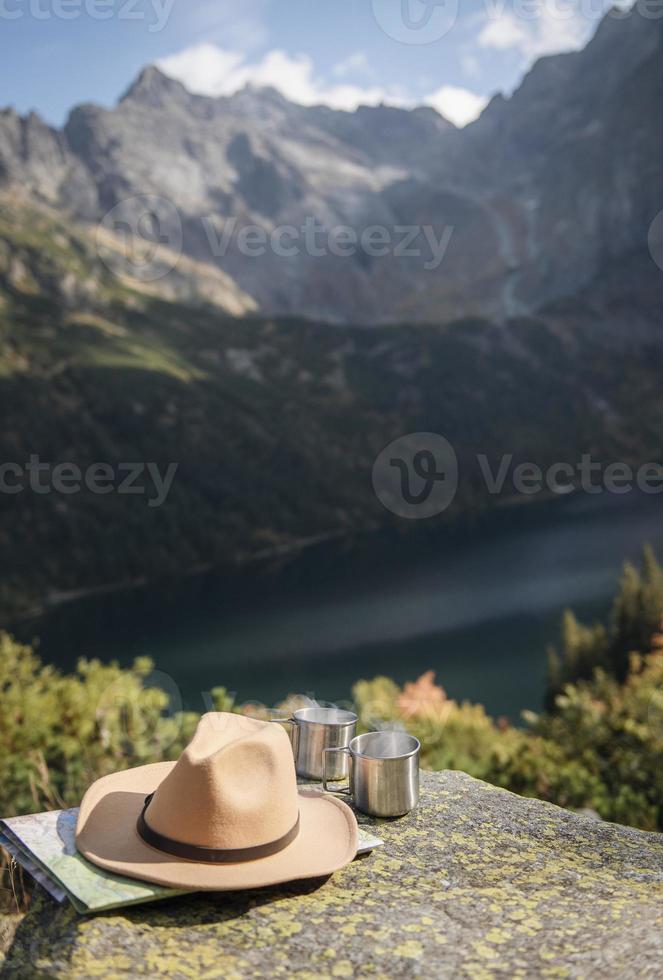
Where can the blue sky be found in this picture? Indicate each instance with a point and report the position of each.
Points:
(452, 54)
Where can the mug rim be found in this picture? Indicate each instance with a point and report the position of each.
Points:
(350, 717)
(385, 758)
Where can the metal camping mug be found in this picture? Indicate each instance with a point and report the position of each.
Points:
(384, 772)
(313, 730)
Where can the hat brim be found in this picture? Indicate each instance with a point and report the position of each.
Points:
(106, 835)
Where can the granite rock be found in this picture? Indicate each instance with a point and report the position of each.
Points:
(476, 883)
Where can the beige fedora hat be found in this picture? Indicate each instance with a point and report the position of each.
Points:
(227, 815)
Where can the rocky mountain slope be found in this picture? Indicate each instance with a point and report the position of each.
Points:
(536, 196)
(575, 159)
(275, 424)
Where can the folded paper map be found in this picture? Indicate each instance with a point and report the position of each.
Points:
(44, 845)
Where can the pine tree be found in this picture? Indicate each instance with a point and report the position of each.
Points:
(637, 611)
(584, 648)
(635, 619)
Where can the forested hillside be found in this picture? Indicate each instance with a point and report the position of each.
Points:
(275, 424)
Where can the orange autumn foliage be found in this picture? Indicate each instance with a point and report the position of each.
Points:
(424, 699)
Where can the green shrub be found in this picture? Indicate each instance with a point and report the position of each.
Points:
(59, 733)
(615, 731)
(601, 748)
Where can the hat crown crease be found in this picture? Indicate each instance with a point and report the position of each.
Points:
(234, 786)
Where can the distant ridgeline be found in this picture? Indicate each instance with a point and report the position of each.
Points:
(522, 207)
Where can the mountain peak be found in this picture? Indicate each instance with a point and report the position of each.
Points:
(261, 96)
(265, 92)
(153, 88)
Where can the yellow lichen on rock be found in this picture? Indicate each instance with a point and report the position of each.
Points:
(476, 883)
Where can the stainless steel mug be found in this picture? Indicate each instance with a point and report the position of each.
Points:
(315, 729)
(384, 772)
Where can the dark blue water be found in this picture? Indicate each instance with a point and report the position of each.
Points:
(478, 608)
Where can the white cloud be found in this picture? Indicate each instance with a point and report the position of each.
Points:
(459, 105)
(504, 33)
(205, 69)
(550, 32)
(210, 70)
(355, 64)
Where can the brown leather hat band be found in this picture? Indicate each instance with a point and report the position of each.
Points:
(211, 855)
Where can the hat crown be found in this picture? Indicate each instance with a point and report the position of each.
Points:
(234, 786)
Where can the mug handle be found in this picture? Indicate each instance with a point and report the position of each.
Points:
(294, 737)
(325, 781)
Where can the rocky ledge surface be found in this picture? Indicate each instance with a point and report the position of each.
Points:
(476, 883)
